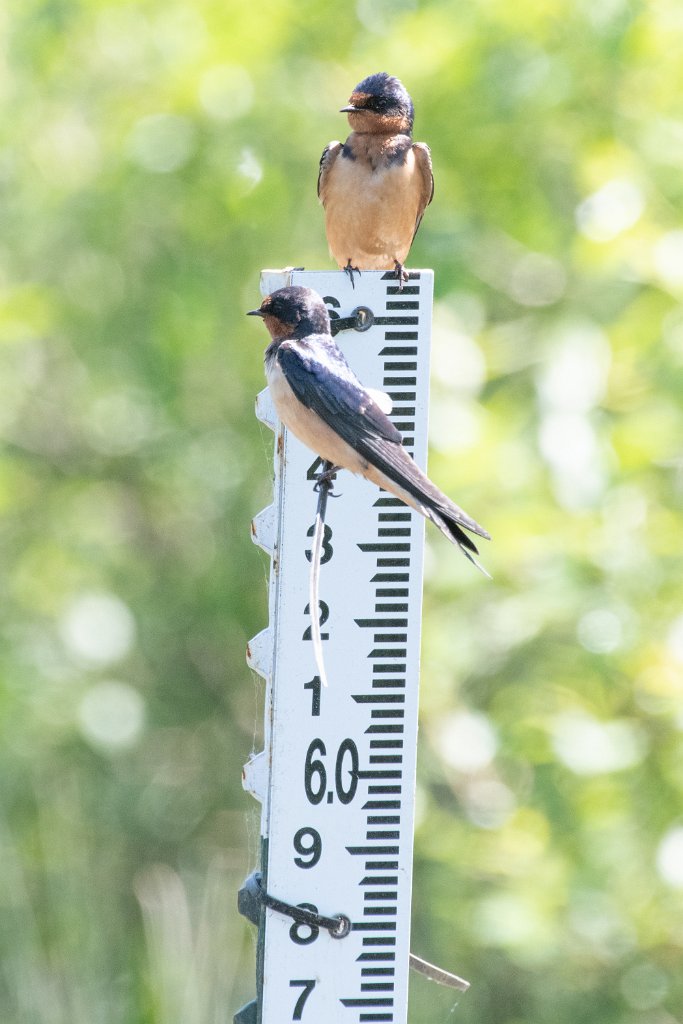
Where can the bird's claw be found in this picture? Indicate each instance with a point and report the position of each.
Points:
(325, 479)
(348, 269)
(401, 274)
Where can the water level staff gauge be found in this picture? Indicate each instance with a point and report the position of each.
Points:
(337, 775)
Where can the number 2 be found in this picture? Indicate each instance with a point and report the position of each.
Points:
(324, 616)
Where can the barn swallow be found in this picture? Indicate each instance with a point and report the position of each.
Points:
(319, 398)
(376, 186)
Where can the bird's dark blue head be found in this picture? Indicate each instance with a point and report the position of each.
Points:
(293, 312)
(385, 97)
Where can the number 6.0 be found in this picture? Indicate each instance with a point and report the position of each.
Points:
(315, 775)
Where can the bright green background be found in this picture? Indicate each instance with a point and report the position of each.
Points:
(153, 157)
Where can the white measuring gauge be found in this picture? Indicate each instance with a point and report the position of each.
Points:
(338, 771)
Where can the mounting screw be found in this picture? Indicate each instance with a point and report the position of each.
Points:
(364, 317)
(342, 929)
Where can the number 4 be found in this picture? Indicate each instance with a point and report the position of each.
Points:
(307, 987)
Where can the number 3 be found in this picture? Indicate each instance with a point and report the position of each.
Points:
(327, 549)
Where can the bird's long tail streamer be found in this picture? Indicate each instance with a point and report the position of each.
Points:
(324, 487)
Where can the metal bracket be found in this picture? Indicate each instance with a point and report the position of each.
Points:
(252, 894)
(361, 319)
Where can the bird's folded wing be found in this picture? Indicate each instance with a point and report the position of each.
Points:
(423, 159)
(393, 460)
(326, 384)
(330, 154)
(323, 381)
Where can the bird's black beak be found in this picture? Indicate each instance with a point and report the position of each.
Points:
(255, 312)
(348, 110)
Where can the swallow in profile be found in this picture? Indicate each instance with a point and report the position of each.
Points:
(376, 186)
(319, 398)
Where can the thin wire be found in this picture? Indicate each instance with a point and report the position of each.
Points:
(324, 486)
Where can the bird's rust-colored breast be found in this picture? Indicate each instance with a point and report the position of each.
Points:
(372, 206)
(373, 196)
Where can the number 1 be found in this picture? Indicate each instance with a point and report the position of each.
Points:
(314, 686)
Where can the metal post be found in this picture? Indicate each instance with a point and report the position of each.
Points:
(337, 776)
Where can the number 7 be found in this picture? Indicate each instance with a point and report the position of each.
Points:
(308, 987)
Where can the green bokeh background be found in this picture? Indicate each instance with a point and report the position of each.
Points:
(154, 156)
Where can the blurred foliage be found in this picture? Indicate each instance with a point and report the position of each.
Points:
(153, 158)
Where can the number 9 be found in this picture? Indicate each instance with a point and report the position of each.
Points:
(312, 850)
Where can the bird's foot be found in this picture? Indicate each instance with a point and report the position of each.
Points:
(326, 479)
(348, 269)
(401, 274)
